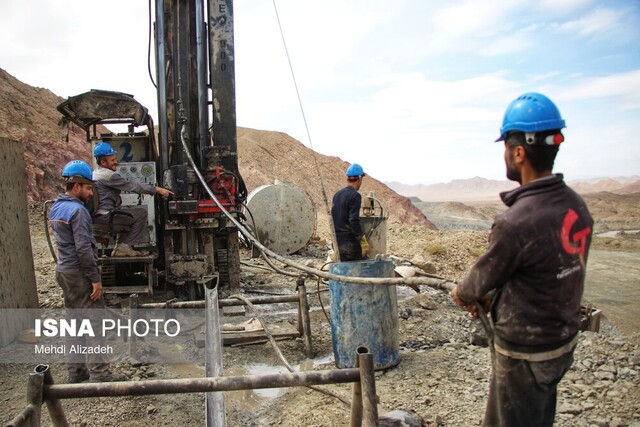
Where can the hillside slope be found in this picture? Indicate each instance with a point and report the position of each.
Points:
(28, 114)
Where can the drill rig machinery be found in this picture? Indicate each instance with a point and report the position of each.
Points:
(195, 154)
(195, 56)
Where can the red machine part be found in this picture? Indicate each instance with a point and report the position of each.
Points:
(223, 184)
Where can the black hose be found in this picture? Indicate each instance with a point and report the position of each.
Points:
(46, 230)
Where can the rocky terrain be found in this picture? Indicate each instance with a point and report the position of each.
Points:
(443, 373)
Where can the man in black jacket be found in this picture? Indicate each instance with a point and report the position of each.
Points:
(532, 272)
(345, 213)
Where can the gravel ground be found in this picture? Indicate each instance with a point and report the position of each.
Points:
(442, 377)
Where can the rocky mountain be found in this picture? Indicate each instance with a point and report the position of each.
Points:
(484, 190)
(28, 114)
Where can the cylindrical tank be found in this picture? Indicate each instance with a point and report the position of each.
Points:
(375, 228)
(364, 315)
(283, 216)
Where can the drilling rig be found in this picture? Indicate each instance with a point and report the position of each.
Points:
(194, 153)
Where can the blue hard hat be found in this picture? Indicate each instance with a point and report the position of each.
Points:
(531, 112)
(103, 149)
(355, 170)
(77, 171)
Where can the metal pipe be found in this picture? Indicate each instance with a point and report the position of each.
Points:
(161, 73)
(54, 406)
(32, 413)
(25, 418)
(356, 400)
(304, 319)
(201, 385)
(222, 302)
(368, 384)
(133, 315)
(201, 80)
(214, 404)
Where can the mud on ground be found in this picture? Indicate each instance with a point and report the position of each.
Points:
(441, 375)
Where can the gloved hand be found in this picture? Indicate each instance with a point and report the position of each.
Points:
(365, 246)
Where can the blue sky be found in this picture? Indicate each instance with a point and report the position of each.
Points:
(414, 90)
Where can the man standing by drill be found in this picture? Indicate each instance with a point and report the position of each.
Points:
(532, 272)
(77, 268)
(345, 212)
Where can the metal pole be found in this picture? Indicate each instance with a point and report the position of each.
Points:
(31, 415)
(54, 406)
(303, 314)
(356, 400)
(214, 406)
(368, 383)
(133, 314)
(201, 385)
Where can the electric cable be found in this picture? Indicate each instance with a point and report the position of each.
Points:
(306, 126)
(46, 230)
(284, 360)
(442, 284)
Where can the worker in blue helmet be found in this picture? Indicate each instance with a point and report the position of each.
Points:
(109, 184)
(345, 212)
(531, 278)
(77, 270)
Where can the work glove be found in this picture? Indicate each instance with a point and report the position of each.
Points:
(365, 246)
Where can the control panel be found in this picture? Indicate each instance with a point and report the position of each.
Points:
(143, 172)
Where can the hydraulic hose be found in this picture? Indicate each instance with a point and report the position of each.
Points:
(442, 284)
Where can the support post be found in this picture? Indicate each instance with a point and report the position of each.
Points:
(368, 384)
(356, 400)
(54, 406)
(304, 321)
(214, 405)
(32, 414)
(133, 315)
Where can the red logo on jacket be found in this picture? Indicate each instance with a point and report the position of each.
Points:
(576, 244)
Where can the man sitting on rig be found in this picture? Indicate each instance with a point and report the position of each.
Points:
(109, 184)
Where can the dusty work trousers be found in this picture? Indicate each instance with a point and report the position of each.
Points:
(77, 289)
(523, 393)
(135, 227)
(350, 251)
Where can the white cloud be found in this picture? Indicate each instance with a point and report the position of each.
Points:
(622, 88)
(415, 90)
(599, 21)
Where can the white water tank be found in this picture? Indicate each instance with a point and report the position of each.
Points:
(283, 217)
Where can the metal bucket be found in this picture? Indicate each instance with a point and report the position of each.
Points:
(364, 315)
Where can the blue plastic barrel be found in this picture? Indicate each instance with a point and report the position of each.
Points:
(364, 315)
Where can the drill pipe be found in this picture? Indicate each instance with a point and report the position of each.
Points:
(200, 385)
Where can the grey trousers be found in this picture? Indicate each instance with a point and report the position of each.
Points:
(77, 289)
(522, 393)
(137, 231)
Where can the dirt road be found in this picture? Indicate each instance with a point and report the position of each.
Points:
(613, 285)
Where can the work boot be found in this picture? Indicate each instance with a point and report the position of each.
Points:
(78, 377)
(108, 377)
(124, 250)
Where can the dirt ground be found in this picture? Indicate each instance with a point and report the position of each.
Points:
(442, 376)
